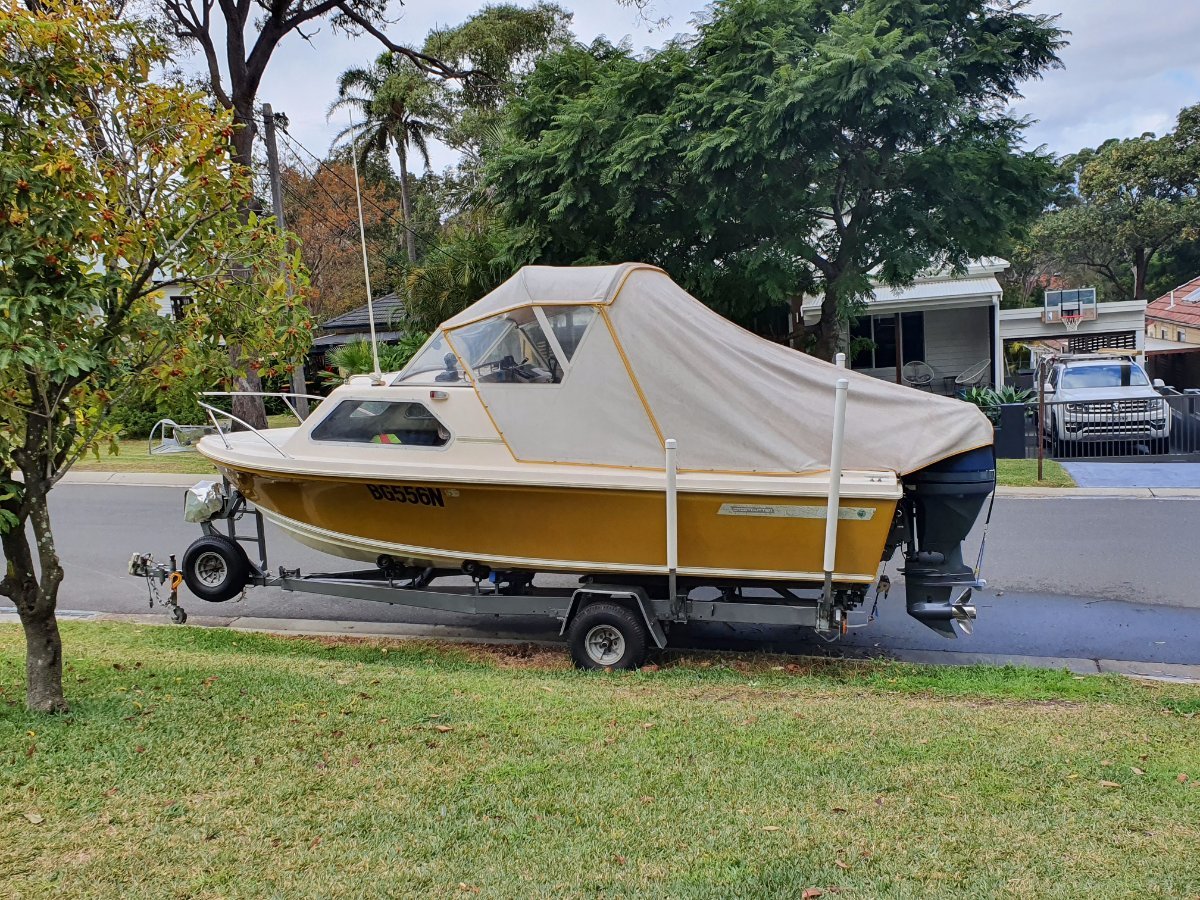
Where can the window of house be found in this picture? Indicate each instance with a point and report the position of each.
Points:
(179, 307)
(873, 340)
(1180, 336)
(382, 422)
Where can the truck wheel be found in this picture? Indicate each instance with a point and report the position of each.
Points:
(607, 636)
(215, 568)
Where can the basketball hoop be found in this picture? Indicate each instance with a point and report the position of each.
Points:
(1072, 320)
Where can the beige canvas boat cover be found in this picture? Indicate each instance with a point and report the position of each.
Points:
(657, 363)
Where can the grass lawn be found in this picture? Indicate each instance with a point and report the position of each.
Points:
(214, 764)
(134, 456)
(1023, 473)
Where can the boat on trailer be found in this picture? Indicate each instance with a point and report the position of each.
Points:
(600, 421)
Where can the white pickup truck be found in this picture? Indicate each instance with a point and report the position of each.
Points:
(1094, 398)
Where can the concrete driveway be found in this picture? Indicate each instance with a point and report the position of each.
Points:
(1134, 475)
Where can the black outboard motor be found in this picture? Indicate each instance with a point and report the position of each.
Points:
(942, 502)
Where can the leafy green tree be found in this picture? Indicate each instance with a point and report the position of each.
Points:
(454, 211)
(112, 185)
(1132, 201)
(792, 147)
(468, 261)
(504, 42)
(398, 106)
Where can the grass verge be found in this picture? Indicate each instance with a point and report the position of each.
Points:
(134, 456)
(209, 763)
(1023, 473)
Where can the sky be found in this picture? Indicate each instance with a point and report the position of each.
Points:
(1129, 68)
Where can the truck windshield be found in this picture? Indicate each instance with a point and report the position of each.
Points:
(1107, 376)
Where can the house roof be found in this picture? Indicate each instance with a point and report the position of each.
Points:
(329, 341)
(389, 309)
(1180, 306)
(942, 289)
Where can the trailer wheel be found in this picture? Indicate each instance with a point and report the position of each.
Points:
(215, 568)
(607, 636)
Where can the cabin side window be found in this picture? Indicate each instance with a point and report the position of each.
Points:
(382, 422)
(568, 324)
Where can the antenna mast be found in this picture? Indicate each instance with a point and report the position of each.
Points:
(377, 375)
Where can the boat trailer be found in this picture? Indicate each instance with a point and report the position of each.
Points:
(608, 621)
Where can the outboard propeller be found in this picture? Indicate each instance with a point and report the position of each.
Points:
(964, 612)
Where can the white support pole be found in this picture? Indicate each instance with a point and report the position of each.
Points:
(840, 360)
(672, 518)
(835, 482)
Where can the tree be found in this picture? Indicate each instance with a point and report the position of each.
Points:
(1131, 202)
(321, 210)
(111, 186)
(398, 106)
(252, 31)
(505, 42)
(249, 31)
(792, 147)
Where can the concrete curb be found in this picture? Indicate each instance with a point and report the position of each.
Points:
(1152, 671)
(166, 479)
(136, 479)
(1110, 493)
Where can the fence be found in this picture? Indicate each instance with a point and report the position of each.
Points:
(1160, 428)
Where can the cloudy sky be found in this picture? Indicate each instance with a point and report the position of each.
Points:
(1131, 64)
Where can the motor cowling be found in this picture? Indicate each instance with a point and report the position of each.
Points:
(944, 501)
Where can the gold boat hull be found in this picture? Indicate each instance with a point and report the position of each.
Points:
(569, 529)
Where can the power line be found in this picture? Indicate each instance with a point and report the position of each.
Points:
(434, 245)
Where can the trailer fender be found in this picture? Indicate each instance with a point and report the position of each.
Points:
(634, 597)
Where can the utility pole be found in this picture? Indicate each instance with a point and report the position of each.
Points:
(299, 387)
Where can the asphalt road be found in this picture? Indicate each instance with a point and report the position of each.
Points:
(1087, 577)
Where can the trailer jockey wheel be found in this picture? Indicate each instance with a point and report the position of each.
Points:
(607, 636)
(215, 568)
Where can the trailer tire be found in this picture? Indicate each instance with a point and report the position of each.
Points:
(215, 568)
(607, 636)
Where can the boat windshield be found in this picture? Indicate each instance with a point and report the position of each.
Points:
(509, 348)
(435, 363)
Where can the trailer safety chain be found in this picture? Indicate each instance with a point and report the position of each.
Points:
(983, 538)
(882, 589)
(152, 590)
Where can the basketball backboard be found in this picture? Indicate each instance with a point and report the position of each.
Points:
(1081, 302)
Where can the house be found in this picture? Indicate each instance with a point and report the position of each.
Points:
(1175, 316)
(1173, 336)
(355, 326)
(1029, 332)
(945, 319)
(952, 322)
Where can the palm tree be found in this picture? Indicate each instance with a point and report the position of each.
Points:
(399, 106)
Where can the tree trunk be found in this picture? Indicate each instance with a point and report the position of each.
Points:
(827, 332)
(1141, 262)
(43, 664)
(410, 237)
(36, 600)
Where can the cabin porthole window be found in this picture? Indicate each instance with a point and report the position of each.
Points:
(383, 422)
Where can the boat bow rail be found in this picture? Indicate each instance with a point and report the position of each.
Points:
(215, 414)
